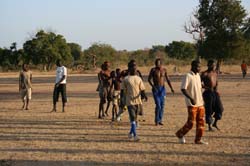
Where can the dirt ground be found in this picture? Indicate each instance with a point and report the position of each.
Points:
(77, 137)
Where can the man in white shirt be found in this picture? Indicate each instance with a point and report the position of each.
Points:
(192, 90)
(133, 88)
(60, 85)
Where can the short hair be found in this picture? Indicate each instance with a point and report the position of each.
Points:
(210, 62)
(117, 69)
(158, 59)
(195, 63)
(131, 63)
(25, 66)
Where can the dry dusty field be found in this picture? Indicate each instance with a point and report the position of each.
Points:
(76, 137)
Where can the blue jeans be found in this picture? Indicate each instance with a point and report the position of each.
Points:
(159, 97)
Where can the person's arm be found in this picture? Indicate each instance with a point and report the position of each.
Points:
(30, 77)
(169, 82)
(185, 93)
(150, 79)
(20, 82)
(140, 75)
(143, 95)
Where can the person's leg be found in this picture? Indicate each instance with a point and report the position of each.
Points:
(101, 108)
(28, 98)
(27, 104)
(23, 97)
(55, 98)
(133, 118)
(113, 112)
(107, 108)
(200, 124)
(218, 110)
(162, 103)
(208, 99)
(189, 124)
(121, 110)
(157, 108)
(64, 96)
(102, 102)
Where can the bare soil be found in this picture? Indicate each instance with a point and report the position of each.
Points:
(77, 137)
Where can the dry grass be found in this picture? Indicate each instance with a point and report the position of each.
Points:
(77, 137)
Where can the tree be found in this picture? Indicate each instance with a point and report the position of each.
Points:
(140, 56)
(221, 21)
(46, 47)
(246, 32)
(181, 50)
(102, 52)
(157, 51)
(76, 51)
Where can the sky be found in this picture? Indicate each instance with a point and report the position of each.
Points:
(124, 24)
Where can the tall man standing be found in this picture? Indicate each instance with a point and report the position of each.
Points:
(60, 85)
(192, 90)
(104, 90)
(25, 86)
(213, 104)
(159, 76)
(134, 89)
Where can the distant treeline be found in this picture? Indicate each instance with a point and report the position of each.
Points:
(46, 47)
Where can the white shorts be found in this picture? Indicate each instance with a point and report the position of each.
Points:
(26, 94)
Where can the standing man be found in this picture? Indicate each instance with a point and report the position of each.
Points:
(192, 90)
(105, 78)
(60, 86)
(116, 83)
(244, 69)
(213, 104)
(159, 76)
(134, 89)
(25, 78)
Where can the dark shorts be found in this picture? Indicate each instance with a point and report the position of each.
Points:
(104, 94)
(60, 89)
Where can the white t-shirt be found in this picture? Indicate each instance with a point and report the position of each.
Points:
(192, 83)
(60, 72)
(132, 86)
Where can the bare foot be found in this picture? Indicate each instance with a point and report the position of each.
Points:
(53, 110)
(215, 126)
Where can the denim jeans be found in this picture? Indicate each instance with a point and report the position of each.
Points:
(159, 94)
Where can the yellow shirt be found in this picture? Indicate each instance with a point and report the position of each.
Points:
(132, 86)
(192, 83)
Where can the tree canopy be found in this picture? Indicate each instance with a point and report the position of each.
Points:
(222, 22)
(47, 47)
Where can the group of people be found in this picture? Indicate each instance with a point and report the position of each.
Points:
(126, 90)
(129, 90)
(25, 86)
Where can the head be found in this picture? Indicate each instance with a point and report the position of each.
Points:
(158, 62)
(132, 67)
(195, 66)
(59, 63)
(131, 62)
(112, 74)
(106, 65)
(243, 61)
(118, 71)
(102, 66)
(211, 65)
(25, 67)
